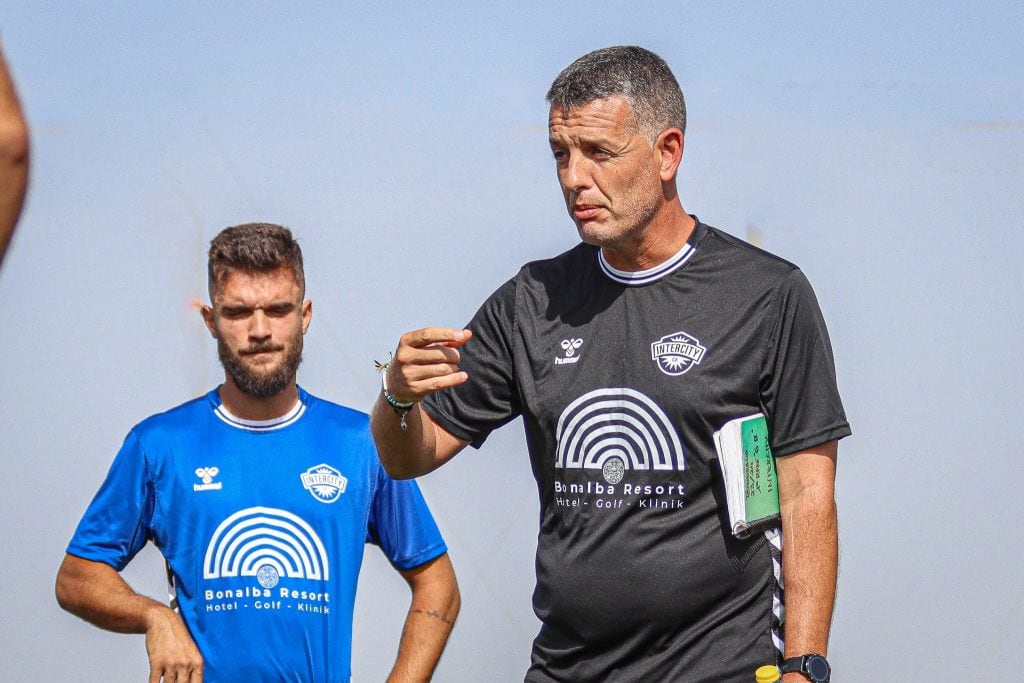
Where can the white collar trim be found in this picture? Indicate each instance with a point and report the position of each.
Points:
(643, 277)
(288, 418)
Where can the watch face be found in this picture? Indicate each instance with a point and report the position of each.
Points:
(818, 668)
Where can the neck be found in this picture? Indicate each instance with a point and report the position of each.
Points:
(655, 243)
(248, 407)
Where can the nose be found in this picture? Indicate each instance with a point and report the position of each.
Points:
(259, 326)
(575, 174)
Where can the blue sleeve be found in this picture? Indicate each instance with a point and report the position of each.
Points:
(401, 524)
(116, 524)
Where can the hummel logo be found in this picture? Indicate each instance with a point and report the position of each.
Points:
(569, 346)
(207, 474)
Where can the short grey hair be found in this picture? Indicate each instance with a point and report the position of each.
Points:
(633, 73)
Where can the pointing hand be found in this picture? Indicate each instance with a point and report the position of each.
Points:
(426, 360)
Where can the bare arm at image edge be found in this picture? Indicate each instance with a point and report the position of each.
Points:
(96, 592)
(435, 605)
(14, 155)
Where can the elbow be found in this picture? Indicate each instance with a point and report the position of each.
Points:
(818, 500)
(64, 592)
(407, 465)
(72, 584)
(812, 513)
(453, 594)
(456, 603)
(398, 470)
(14, 142)
(435, 587)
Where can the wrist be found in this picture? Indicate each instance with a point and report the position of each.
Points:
(393, 400)
(811, 667)
(156, 615)
(400, 407)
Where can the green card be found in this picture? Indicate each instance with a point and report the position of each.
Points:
(759, 482)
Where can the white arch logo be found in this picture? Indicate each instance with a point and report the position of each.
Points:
(266, 543)
(614, 430)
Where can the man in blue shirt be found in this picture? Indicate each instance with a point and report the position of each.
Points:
(261, 498)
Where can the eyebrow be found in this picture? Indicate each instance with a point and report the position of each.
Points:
(598, 138)
(279, 306)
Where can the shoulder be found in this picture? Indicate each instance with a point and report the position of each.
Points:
(575, 261)
(323, 411)
(544, 272)
(565, 277)
(747, 271)
(729, 251)
(179, 418)
(539, 282)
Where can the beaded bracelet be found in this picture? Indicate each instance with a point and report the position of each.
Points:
(401, 408)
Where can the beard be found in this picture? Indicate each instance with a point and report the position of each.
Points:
(622, 229)
(253, 381)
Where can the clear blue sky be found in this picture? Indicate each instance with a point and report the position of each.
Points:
(881, 149)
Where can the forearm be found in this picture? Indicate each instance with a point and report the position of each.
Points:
(420, 448)
(810, 549)
(435, 606)
(424, 362)
(810, 557)
(97, 593)
(404, 453)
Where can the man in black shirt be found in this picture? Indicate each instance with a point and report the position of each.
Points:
(623, 356)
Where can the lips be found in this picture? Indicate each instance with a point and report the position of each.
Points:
(584, 212)
(261, 350)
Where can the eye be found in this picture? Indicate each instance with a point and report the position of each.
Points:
(235, 312)
(279, 310)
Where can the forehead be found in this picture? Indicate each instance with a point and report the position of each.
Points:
(611, 116)
(251, 287)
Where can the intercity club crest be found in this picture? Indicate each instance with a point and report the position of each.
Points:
(324, 483)
(676, 353)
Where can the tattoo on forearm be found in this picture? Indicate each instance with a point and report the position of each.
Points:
(433, 613)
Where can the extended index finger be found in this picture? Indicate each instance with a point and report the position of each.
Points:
(449, 336)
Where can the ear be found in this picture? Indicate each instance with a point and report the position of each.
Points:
(669, 147)
(307, 314)
(207, 312)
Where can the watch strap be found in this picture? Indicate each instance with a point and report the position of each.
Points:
(800, 665)
(792, 664)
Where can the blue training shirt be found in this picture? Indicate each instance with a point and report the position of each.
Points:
(263, 525)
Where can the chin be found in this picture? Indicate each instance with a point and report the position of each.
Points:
(598, 238)
(592, 234)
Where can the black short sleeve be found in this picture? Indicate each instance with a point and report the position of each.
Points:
(798, 376)
(471, 411)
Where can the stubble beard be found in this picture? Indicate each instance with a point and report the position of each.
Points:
(261, 384)
(629, 229)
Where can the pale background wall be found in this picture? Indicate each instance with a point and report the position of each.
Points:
(405, 144)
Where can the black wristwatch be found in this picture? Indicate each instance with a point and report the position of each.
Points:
(814, 667)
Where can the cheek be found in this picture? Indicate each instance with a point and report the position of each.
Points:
(290, 330)
(232, 338)
(560, 174)
(609, 187)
